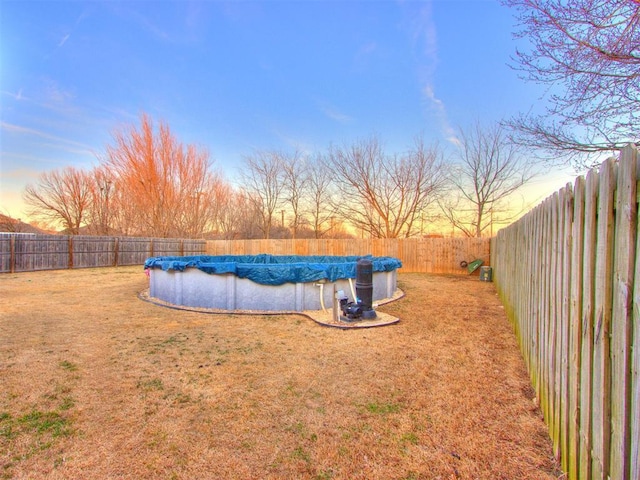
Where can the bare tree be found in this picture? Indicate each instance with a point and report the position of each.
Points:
(236, 215)
(223, 201)
(200, 191)
(384, 195)
(125, 218)
(264, 186)
(60, 197)
(296, 182)
(164, 184)
(101, 211)
(321, 198)
(592, 49)
(489, 170)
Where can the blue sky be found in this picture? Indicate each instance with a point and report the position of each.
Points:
(238, 76)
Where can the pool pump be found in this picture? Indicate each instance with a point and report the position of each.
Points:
(362, 308)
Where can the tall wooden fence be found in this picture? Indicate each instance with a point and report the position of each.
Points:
(429, 255)
(568, 274)
(22, 252)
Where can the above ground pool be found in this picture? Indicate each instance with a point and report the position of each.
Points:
(264, 282)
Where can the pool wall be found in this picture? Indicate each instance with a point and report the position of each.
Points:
(194, 288)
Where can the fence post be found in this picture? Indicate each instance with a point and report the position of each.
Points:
(12, 253)
(116, 248)
(70, 247)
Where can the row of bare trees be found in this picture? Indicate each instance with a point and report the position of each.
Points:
(355, 188)
(149, 183)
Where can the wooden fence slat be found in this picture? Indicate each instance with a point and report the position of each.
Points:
(554, 317)
(588, 309)
(575, 330)
(563, 334)
(536, 298)
(545, 352)
(601, 405)
(624, 259)
(634, 454)
(543, 304)
(526, 307)
(634, 408)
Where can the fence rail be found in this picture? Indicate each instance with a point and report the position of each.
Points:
(568, 274)
(21, 252)
(428, 255)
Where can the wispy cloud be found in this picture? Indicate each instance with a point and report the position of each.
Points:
(128, 12)
(364, 55)
(45, 94)
(293, 142)
(55, 94)
(59, 142)
(16, 96)
(368, 48)
(187, 25)
(438, 108)
(334, 113)
(67, 34)
(425, 41)
(64, 40)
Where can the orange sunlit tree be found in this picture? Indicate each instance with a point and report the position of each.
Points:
(164, 187)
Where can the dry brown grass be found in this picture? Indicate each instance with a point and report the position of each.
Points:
(95, 383)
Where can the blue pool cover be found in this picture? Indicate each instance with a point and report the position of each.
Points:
(276, 269)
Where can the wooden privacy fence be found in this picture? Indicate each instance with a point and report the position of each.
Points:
(568, 274)
(429, 255)
(23, 252)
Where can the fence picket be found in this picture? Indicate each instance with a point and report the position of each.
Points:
(634, 427)
(575, 330)
(545, 353)
(601, 405)
(563, 334)
(537, 298)
(588, 300)
(552, 319)
(625, 233)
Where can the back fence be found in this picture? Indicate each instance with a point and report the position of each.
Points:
(566, 273)
(23, 252)
(429, 255)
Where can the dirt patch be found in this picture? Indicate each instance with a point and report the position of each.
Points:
(94, 381)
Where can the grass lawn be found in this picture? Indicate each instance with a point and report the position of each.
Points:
(95, 383)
